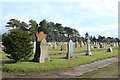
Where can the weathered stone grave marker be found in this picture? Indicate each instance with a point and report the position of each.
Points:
(55, 45)
(43, 51)
(81, 43)
(76, 44)
(41, 54)
(70, 53)
(88, 52)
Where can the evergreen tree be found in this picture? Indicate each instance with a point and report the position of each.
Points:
(17, 44)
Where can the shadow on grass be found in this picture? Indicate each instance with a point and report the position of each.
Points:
(12, 61)
(7, 61)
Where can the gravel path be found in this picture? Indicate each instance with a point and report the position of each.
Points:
(75, 71)
(80, 70)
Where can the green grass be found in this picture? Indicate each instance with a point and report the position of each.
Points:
(57, 50)
(57, 63)
(110, 71)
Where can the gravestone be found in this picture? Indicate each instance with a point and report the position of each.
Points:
(110, 50)
(101, 46)
(98, 46)
(62, 47)
(76, 44)
(70, 53)
(81, 43)
(88, 52)
(92, 47)
(43, 52)
(55, 45)
(95, 46)
(41, 37)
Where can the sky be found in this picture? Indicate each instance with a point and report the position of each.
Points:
(97, 17)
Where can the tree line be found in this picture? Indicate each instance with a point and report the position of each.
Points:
(17, 42)
(55, 31)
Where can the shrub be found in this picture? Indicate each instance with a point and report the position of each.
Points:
(17, 44)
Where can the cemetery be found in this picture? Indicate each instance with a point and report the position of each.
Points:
(30, 53)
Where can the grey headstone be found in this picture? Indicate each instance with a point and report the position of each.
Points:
(76, 44)
(88, 52)
(70, 53)
(44, 52)
(55, 45)
(110, 50)
(81, 43)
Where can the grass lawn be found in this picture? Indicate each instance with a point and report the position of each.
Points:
(57, 63)
(110, 71)
(83, 48)
(57, 50)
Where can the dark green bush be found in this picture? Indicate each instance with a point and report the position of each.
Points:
(17, 44)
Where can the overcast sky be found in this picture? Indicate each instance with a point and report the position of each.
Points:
(97, 17)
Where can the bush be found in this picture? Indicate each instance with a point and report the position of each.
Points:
(17, 44)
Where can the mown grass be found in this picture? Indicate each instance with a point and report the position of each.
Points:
(52, 51)
(57, 63)
(110, 71)
(83, 48)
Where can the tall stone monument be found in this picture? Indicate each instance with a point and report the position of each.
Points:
(88, 52)
(70, 53)
(41, 54)
(43, 51)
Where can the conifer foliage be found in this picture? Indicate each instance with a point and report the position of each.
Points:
(17, 44)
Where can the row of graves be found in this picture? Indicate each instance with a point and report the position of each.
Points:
(41, 53)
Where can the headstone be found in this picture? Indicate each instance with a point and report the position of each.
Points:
(95, 46)
(92, 47)
(98, 46)
(43, 52)
(81, 43)
(76, 44)
(54, 45)
(62, 47)
(101, 46)
(114, 45)
(70, 53)
(110, 50)
(88, 52)
(41, 36)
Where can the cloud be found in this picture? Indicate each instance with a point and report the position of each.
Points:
(104, 30)
(93, 16)
(24, 18)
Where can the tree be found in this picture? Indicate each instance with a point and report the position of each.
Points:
(69, 32)
(45, 27)
(17, 44)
